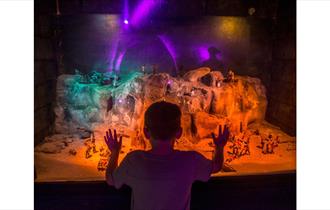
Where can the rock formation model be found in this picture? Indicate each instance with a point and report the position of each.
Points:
(86, 106)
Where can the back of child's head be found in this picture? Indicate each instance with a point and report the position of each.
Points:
(163, 120)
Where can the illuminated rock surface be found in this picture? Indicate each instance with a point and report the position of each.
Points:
(205, 100)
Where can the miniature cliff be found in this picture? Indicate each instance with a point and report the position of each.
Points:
(206, 100)
(88, 105)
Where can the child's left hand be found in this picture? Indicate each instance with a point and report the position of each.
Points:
(112, 141)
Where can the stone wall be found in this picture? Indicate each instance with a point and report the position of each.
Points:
(45, 73)
(282, 90)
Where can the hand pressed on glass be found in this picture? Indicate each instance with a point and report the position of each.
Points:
(222, 138)
(112, 141)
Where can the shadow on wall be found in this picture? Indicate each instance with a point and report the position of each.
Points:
(214, 61)
(150, 53)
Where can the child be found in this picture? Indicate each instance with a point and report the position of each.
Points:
(161, 178)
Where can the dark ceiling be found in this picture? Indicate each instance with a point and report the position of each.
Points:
(173, 8)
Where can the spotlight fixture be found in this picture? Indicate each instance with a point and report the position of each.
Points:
(126, 21)
(251, 11)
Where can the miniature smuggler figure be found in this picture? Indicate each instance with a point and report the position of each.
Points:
(218, 83)
(88, 152)
(230, 77)
(162, 173)
(72, 152)
(270, 146)
(235, 150)
(272, 143)
(154, 69)
(264, 142)
(102, 164)
(104, 152)
(246, 149)
(93, 145)
(168, 88)
(143, 69)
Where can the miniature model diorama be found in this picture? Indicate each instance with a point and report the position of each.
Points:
(88, 105)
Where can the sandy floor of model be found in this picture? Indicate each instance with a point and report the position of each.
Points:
(63, 166)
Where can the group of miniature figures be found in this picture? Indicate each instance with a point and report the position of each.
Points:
(91, 146)
(239, 147)
(91, 150)
(154, 69)
(268, 144)
(94, 77)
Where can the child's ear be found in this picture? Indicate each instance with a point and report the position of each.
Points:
(146, 133)
(179, 133)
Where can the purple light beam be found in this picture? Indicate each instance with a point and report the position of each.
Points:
(142, 11)
(119, 60)
(170, 48)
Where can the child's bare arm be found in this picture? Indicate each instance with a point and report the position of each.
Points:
(220, 142)
(114, 146)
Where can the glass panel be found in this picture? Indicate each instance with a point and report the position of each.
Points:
(115, 70)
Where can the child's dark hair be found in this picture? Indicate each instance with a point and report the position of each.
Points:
(163, 120)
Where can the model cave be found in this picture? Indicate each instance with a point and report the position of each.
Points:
(100, 64)
(89, 104)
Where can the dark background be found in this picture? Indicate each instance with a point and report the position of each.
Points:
(89, 35)
(257, 192)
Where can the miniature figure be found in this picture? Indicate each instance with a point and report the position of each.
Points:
(264, 142)
(235, 149)
(241, 127)
(93, 143)
(272, 143)
(67, 114)
(114, 82)
(228, 160)
(143, 69)
(104, 152)
(102, 164)
(72, 152)
(257, 132)
(91, 146)
(154, 69)
(109, 103)
(88, 152)
(65, 143)
(246, 149)
(277, 141)
(218, 83)
(168, 88)
(140, 141)
(268, 144)
(230, 77)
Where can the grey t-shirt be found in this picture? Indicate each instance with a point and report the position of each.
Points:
(161, 182)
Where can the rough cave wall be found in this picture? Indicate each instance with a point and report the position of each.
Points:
(282, 88)
(45, 73)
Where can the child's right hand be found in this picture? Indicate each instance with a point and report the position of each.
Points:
(112, 141)
(221, 140)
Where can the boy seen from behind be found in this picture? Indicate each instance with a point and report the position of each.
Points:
(161, 178)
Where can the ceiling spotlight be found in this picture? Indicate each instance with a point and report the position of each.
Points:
(126, 21)
(251, 11)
